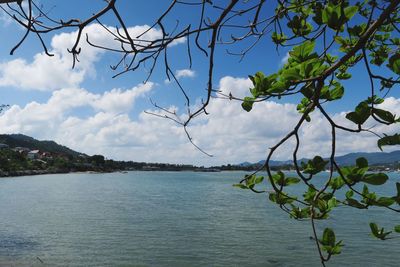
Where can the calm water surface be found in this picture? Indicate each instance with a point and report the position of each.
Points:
(169, 219)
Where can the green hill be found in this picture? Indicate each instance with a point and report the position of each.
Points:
(20, 140)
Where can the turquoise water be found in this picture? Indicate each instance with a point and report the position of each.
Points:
(168, 219)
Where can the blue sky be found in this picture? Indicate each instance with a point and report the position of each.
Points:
(86, 109)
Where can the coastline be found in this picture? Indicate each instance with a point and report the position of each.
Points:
(11, 174)
(15, 174)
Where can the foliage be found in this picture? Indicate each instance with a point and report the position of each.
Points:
(327, 41)
(315, 71)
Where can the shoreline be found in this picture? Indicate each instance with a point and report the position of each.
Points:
(15, 174)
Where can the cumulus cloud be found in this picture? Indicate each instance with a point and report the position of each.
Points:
(45, 120)
(231, 134)
(51, 73)
(43, 74)
(185, 73)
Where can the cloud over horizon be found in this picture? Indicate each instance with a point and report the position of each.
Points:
(103, 123)
(231, 134)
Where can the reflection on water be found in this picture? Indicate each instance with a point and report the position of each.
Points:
(168, 219)
(16, 244)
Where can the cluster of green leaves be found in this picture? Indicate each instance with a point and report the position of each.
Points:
(334, 14)
(250, 181)
(314, 166)
(367, 108)
(380, 233)
(319, 204)
(303, 65)
(330, 38)
(329, 243)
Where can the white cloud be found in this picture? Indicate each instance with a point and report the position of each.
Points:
(44, 73)
(51, 73)
(229, 133)
(185, 73)
(45, 120)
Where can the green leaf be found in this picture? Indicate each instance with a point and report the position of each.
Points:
(384, 115)
(350, 11)
(357, 30)
(385, 201)
(340, 40)
(354, 117)
(337, 248)
(332, 203)
(279, 178)
(375, 178)
(314, 166)
(374, 229)
(279, 38)
(361, 113)
(307, 91)
(336, 93)
(394, 63)
(378, 233)
(292, 74)
(247, 104)
(278, 87)
(280, 198)
(337, 183)
(309, 194)
(389, 140)
(365, 190)
(304, 49)
(303, 52)
(291, 180)
(258, 179)
(362, 162)
(343, 76)
(322, 205)
(397, 228)
(375, 100)
(328, 237)
(354, 203)
(252, 180)
(397, 197)
(349, 194)
(257, 78)
(300, 213)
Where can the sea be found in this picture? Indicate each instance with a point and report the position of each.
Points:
(173, 219)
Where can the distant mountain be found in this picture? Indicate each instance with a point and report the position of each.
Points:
(20, 140)
(374, 158)
(244, 164)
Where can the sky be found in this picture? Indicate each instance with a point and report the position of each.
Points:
(89, 111)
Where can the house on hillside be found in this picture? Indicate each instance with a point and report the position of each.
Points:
(33, 154)
(46, 155)
(21, 150)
